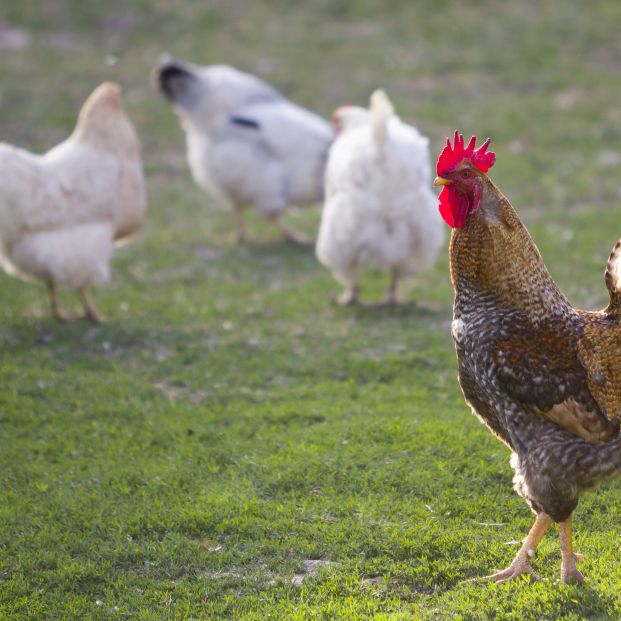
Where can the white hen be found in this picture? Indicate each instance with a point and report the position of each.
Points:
(61, 212)
(379, 208)
(246, 144)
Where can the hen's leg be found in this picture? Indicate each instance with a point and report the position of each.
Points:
(349, 297)
(58, 313)
(521, 563)
(240, 225)
(289, 233)
(569, 571)
(392, 295)
(90, 312)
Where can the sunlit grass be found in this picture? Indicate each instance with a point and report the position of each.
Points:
(229, 424)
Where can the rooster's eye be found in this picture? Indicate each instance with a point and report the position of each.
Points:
(465, 174)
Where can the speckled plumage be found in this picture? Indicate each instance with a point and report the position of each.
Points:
(543, 376)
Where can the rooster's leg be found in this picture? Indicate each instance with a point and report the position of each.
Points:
(521, 563)
(289, 233)
(90, 312)
(58, 313)
(569, 571)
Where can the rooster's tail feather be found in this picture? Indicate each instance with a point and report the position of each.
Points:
(613, 280)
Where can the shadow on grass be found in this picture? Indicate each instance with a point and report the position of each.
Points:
(410, 308)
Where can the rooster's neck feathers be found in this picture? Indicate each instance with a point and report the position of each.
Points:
(494, 252)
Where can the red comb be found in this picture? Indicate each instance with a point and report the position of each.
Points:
(453, 154)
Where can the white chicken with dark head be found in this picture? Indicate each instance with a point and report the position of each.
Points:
(247, 145)
(61, 213)
(379, 208)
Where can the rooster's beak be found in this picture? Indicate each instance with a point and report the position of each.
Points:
(441, 181)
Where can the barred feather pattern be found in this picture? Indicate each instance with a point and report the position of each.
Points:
(540, 374)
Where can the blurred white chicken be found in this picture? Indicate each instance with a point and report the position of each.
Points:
(379, 208)
(246, 144)
(62, 212)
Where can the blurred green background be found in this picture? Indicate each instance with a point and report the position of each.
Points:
(228, 426)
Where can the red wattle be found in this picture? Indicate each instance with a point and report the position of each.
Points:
(445, 207)
(453, 208)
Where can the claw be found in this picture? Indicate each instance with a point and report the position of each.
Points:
(572, 576)
(521, 563)
(519, 568)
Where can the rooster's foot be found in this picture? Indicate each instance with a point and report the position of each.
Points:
(517, 569)
(572, 575)
(521, 563)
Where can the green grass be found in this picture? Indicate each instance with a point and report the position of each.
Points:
(229, 424)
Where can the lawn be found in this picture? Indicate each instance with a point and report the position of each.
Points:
(230, 444)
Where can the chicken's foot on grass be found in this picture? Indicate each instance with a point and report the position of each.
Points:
(349, 297)
(569, 572)
(289, 233)
(520, 565)
(90, 312)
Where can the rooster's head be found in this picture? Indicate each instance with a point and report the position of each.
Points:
(461, 170)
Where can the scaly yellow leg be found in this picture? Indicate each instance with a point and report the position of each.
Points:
(521, 563)
(569, 572)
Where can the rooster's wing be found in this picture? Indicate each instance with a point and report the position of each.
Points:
(546, 374)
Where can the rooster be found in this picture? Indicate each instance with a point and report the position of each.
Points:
(62, 212)
(379, 208)
(246, 144)
(543, 376)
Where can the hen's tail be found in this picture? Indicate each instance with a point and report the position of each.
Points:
(381, 111)
(613, 280)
